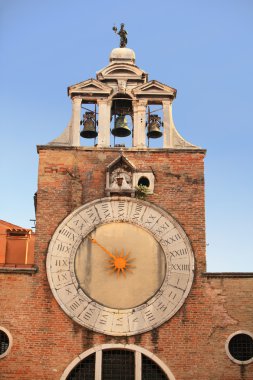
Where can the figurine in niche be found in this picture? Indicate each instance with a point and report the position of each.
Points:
(119, 177)
(120, 181)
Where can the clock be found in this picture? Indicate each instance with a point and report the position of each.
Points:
(120, 266)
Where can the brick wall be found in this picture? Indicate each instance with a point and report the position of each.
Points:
(191, 344)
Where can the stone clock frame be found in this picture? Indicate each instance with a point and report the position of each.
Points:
(80, 307)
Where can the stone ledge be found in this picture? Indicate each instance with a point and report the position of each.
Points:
(121, 149)
(228, 274)
(19, 269)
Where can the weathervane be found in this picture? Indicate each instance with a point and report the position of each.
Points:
(123, 35)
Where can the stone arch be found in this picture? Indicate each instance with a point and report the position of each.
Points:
(138, 352)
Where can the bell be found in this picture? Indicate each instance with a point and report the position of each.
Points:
(154, 124)
(121, 129)
(89, 126)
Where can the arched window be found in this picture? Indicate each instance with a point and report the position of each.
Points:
(117, 362)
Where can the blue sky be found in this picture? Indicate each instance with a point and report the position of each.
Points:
(202, 48)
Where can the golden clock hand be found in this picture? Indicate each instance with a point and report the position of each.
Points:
(119, 263)
(94, 241)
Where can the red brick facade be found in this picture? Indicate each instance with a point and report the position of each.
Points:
(192, 343)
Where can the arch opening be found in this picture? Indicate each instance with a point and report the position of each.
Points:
(117, 361)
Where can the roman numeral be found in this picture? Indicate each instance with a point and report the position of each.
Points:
(63, 247)
(161, 306)
(67, 233)
(171, 240)
(180, 267)
(61, 263)
(150, 316)
(103, 319)
(62, 277)
(179, 252)
(137, 211)
(88, 314)
(150, 220)
(106, 210)
(119, 321)
(75, 305)
(68, 291)
(121, 209)
(172, 295)
(81, 224)
(91, 214)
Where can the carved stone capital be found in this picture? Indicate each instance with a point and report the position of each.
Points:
(104, 101)
(76, 101)
(167, 102)
(139, 105)
(140, 102)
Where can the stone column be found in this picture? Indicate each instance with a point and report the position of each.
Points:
(104, 122)
(139, 121)
(138, 369)
(75, 124)
(167, 124)
(98, 365)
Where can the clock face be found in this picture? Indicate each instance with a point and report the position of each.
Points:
(120, 266)
(128, 277)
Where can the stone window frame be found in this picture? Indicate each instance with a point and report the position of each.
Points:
(244, 362)
(98, 360)
(149, 176)
(10, 341)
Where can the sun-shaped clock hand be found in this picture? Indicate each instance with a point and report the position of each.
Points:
(118, 262)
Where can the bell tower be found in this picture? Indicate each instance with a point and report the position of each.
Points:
(121, 220)
(122, 102)
(119, 289)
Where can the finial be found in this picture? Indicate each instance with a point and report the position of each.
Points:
(123, 35)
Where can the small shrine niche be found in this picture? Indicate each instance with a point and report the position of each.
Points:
(119, 177)
(122, 178)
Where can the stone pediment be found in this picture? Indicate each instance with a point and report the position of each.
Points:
(154, 87)
(90, 86)
(120, 162)
(123, 70)
(119, 177)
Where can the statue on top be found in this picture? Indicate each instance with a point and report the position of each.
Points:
(122, 33)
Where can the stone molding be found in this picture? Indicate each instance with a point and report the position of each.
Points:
(123, 149)
(228, 274)
(16, 270)
(154, 87)
(131, 347)
(90, 86)
(240, 362)
(10, 342)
